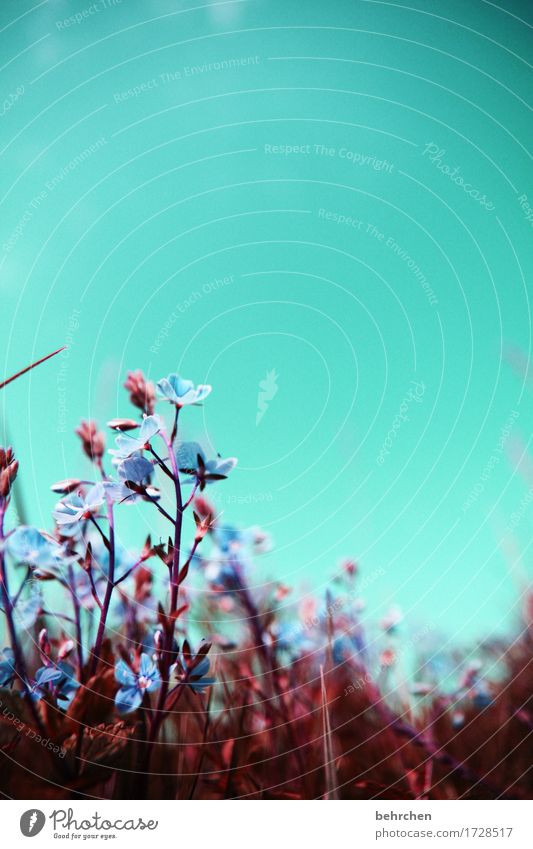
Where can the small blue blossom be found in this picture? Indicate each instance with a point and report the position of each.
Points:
(59, 681)
(29, 607)
(223, 574)
(80, 506)
(44, 678)
(134, 685)
(136, 470)
(28, 545)
(192, 461)
(181, 392)
(7, 668)
(341, 651)
(197, 679)
(128, 444)
(229, 538)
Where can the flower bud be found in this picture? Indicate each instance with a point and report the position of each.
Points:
(44, 642)
(66, 486)
(8, 471)
(123, 424)
(93, 440)
(142, 391)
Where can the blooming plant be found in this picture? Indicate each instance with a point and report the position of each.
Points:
(275, 701)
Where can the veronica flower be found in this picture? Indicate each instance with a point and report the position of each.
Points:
(80, 506)
(7, 668)
(128, 444)
(134, 685)
(28, 545)
(44, 676)
(192, 461)
(181, 392)
(197, 679)
(229, 538)
(346, 647)
(134, 478)
(223, 575)
(29, 607)
(58, 680)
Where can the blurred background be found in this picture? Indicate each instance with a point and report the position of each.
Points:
(322, 209)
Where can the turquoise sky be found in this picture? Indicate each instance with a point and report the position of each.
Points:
(329, 197)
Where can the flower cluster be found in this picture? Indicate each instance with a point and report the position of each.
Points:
(98, 643)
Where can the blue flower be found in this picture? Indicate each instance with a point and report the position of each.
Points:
(29, 607)
(136, 470)
(7, 668)
(181, 392)
(128, 444)
(223, 574)
(44, 678)
(59, 681)
(196, 678)
(134, 685)
(192, 461)
(80, 506)
(28, 545)
(229, 538)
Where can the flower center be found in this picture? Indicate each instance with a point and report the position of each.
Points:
(144, 682)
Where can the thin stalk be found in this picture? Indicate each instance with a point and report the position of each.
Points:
(110, 585)
(22, 585)
(28, 368)
(174, 594)
(77, 621)
(19, 662)
(191, 496)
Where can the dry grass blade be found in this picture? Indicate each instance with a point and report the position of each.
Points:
(329, 762)
(29, 368)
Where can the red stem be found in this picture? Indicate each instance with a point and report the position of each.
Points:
(28, 368)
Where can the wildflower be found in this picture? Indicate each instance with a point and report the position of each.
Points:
(223, 575)
(134, 685)
(28, 545)
(198, 680)
(128, 445)
(80, 506)
(346, 647)
(8, 471)
(59, 681)
(194, 672)
(134, 475)
(192, 461)
(181, 392)
(28, 608)
(7, 668)
(136, 469)
(142, 391)
(92, 440)
(44, 676)
(228, 538)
